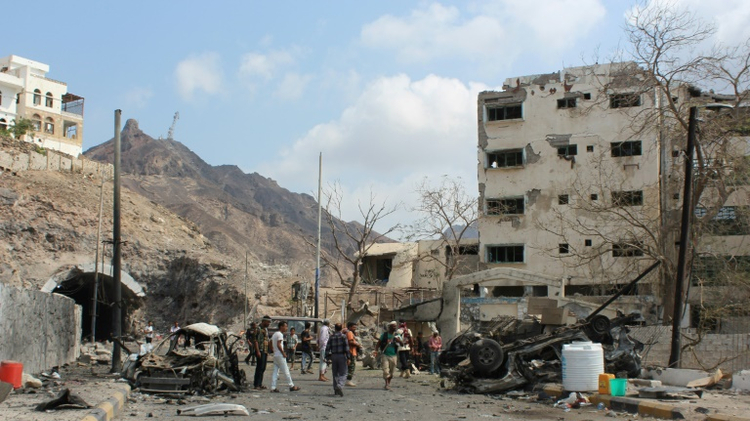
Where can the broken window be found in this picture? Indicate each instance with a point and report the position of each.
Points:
(626, 249)
(70, 129)
(629, 148)
(49, 125)
(720, 270)
(505, 254)
(37, 97)
(376, 269)
(568, 150)
(563, 248)
(730, 220)
(508, 206)
(505, 158)
(624, 100)
(566, 103)
(504, 112)
(627, 198)
(48, 100)
(563, 199)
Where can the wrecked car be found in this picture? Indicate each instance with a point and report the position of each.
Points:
(199, 358)
(504, 356)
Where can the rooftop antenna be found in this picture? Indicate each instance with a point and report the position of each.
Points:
(170, 133)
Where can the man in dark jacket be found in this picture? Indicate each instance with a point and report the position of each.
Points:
(337, 351)
(261, 352)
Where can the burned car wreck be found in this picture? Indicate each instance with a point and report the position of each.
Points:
(199, 358)
(511, 354)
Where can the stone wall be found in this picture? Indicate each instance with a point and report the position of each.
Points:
(14, 160)
(39, 329)
(730, 352)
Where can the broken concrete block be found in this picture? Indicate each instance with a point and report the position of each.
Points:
(645, 383)
(85, 359)
(30, 381)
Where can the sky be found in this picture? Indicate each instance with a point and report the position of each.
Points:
(385, 90)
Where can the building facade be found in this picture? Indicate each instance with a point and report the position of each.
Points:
(578, 181)
(56, 114)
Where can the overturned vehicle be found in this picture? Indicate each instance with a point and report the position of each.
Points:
(511, 354)
(200, 358)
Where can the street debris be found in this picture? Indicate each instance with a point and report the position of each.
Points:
(509, 355)
(5, 389)
(214, 409)
(199, 358)
(64, 400)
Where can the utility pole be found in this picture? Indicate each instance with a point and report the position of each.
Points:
(244, 323)
(95, 297)
(117, 253)
(687, 213)
(317, 254)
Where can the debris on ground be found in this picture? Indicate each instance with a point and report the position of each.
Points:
(508, 354)
(214, 409)
(64, 400)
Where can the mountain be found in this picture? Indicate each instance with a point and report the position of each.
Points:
(237, 212)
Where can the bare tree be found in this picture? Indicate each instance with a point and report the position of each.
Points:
(352, 240)
(448, 216)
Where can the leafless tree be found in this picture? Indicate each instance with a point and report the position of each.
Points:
(352, 240)
(448, 214)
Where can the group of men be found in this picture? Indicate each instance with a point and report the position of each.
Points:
(340, 347)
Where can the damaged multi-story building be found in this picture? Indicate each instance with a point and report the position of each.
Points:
(578, 181)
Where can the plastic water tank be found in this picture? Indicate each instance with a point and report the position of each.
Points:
(582, 362)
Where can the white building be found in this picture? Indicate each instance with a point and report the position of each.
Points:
(56, 114)
(577, 182)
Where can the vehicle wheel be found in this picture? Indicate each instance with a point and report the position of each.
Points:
(599, 324)
(486, 355)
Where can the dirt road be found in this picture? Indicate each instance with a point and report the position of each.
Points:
(412, 399)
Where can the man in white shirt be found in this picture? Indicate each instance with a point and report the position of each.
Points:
(323, 336)
(279, 359)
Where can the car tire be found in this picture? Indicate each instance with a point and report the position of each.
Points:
(600, 324)
(486, 355)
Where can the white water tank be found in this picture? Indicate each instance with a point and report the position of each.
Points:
(582, 363)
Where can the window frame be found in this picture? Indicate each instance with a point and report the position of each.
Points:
(507, 249)
(493, 111)
(49, 125)
(570, 150)
(627, 249)
(565, 103)
(505, 205)
(627, 198)
(626, 148)
(37, 99)
(504, 153)
(49, 100)
(625, 100)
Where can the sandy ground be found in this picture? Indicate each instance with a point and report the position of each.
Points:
(409, 399)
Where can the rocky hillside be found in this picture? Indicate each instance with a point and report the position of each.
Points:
(237, 212)
(49, 224)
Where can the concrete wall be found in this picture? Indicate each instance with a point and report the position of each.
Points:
(12, 160)
(730, 352)
(40, 330)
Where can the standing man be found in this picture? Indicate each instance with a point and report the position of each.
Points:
(338, 353)
(172, 337)
(250, 334)
(419, 351)
(387, 345)
(149, 331)
(261, 352)
(291, 347)
(279, 359)
(354, 347)
(323, 336)
(435, 343)
(306, 349)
